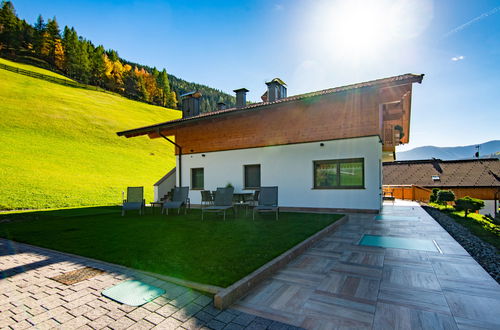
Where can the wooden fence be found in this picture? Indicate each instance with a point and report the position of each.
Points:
(50, 78)
(408, 192)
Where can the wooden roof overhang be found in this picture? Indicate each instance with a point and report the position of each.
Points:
(390, 90)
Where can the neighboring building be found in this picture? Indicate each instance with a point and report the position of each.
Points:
(478, 178)
(324, 150)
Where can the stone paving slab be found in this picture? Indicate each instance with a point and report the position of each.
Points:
(338, 284)
(30, 299)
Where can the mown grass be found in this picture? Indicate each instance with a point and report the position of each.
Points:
(211, 251)
(477, 223)
(33, 69)
(59, 145)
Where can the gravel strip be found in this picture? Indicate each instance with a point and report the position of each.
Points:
(484, 253)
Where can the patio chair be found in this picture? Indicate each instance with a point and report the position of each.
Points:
(179, 199)
(268, 201)
(135, 200)
(206, 198)
(223, 201)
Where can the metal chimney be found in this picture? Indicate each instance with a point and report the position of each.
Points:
(191, 104)
(275, 90)
(221, 106)
(241, 97)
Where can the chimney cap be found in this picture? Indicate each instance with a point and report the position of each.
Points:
(276, 80)
(195, 94)
(241, 90)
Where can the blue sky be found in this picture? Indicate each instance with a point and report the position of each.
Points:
(313, 45)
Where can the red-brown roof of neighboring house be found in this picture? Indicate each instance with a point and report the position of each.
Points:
(406, 78)
(451, 173)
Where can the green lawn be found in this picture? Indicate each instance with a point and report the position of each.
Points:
(212, 251)
(59, 148)
(475, 222)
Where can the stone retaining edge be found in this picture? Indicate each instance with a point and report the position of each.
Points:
(229, 295)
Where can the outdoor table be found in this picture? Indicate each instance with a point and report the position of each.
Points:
(240, 200)
(154, 205)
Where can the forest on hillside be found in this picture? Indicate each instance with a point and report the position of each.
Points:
(45, 45)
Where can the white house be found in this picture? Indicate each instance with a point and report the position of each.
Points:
(324, 150)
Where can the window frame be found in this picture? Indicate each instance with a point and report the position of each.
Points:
(338, 162)
(192, 176)
(245, 187)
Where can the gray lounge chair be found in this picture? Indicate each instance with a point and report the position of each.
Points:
(135, 200)
(179, 199)
(268, 201)
(223, 201)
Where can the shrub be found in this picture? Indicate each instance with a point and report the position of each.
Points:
(444, 196)
(433, 198)
(469, 204)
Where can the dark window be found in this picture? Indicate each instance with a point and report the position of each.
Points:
(197, 178)
(339, 174)
(252, 176)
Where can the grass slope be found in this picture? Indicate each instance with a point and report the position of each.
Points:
(33, 69)
(59, 147)
(211, 251)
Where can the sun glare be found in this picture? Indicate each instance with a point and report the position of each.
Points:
(362, 29)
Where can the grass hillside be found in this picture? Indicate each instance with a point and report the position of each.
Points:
(59, 148)
(33, 69)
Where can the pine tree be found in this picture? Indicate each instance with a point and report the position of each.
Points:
(98, 67)
(9, 27)
(70, 44)
(53, 34)
(38, 35)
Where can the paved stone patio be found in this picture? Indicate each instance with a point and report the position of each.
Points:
(339, 284)
(335, 284)
(29, 299)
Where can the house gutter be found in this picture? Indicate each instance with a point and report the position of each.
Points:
(180, 155)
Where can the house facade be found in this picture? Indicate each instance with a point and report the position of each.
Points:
(324, 150)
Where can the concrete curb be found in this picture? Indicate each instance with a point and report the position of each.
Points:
(229, 295)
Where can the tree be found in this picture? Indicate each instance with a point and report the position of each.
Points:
(98, 67)
(70, 43)
(9, 26)
(469, 204)
(38, 34)
(444, 196)
(52, 34)
(59, 54)
(433, 198)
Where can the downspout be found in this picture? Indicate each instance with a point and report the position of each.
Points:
(180, 156)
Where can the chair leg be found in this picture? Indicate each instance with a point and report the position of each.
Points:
(123, 213)
(224, 215)
(253, 214)
(202, 214)
(178, 211)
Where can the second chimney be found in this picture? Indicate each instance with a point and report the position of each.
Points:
(275, 90)
(190, 104)
(221, 106)
(241, 97)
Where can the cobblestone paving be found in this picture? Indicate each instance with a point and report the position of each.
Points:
(29, 299)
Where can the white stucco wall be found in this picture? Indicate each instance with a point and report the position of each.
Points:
(164, 187)
(290, 167)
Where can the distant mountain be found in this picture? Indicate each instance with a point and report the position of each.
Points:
(486, 150)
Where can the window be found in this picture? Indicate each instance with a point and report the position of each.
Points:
(197, 178)
(252, 176)
(339, 174)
